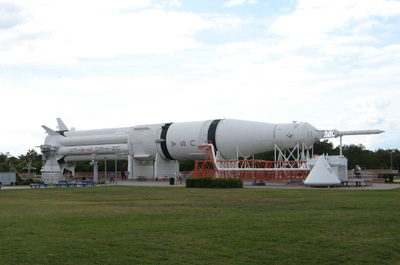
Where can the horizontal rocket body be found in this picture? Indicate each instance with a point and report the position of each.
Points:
(236, 137)
(154, 150)
(229, 137)
(180, 141)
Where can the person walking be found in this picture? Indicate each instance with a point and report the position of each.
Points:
(112, 177)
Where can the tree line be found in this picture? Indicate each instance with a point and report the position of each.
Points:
(34, 160)
(356, 155)
(31, 160)
(359, 155)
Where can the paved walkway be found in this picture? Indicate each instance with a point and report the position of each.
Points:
(374, 186)
(151, 183)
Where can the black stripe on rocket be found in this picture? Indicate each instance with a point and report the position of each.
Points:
(211, 133)
(163, 136)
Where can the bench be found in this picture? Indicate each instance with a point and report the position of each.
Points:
(38, 185)
(77, 183)
(359, 181)
(91, 183)
(258, 184)
(80, 183)
(61, 183)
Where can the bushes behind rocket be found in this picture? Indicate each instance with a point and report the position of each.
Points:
(213, 183)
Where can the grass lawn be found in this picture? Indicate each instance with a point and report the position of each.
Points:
(163, 225)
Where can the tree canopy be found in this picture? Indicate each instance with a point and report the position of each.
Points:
(21, 163)
(356, 155)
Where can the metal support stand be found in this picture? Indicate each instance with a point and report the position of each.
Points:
(105, 171)
(116, 170)
(95, 165)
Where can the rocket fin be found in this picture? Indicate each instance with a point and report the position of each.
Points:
(61, 125)
(50, 131)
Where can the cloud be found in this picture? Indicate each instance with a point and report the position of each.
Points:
(132, 63)
(167, 3)
(61, 33)
(369, 109)
(227, 22)
(316, 23)
(10, 15)
(232, 3)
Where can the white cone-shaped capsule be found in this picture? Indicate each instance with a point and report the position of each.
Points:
(322, 174)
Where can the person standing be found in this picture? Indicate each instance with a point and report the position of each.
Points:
(357, 171)
(112, 177)
(176, 177)
(357, 175)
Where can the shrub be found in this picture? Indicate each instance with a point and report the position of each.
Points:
(213, 183)
(190, 183)
(387, 177)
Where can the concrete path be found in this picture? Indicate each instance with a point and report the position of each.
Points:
(151, 183)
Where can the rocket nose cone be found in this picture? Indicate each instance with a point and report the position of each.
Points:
(311, 134)
(288, 135)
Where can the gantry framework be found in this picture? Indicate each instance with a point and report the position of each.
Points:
(249, 169)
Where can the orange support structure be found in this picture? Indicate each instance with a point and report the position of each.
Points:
(250, 170)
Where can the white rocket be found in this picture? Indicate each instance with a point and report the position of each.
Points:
(154, 150)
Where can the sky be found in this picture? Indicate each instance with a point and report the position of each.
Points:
(106, 64)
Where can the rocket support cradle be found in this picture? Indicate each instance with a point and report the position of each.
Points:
(154, 150)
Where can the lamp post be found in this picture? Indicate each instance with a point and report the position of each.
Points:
(391, 159)
(116, 170)
(122, 155)
(105, 171)
(95, 165)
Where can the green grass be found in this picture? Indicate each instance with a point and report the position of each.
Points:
(163, 225)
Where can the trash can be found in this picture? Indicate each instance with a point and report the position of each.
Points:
(171, 181)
